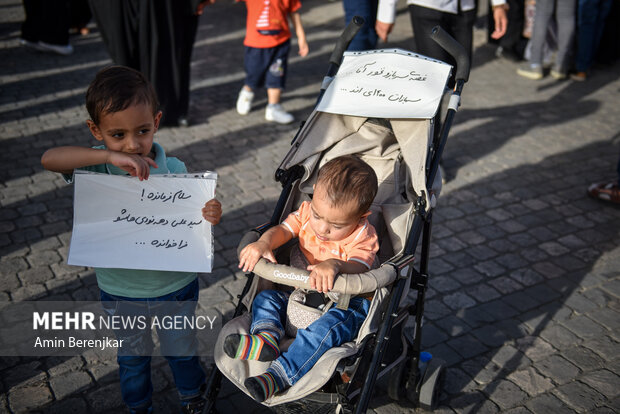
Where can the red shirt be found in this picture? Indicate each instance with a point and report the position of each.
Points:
(267, 22)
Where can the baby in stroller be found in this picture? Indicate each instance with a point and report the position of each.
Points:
(334, 237)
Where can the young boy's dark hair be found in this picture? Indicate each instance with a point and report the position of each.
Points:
(115, 88)
(348, 179)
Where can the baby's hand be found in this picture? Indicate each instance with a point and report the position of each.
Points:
(323, 274)
(212, 211)
(135, 164)
(252, 253)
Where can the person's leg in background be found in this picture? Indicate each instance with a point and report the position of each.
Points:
(565, 17)
(591, 17)
(46, 27)
(366, 38)
(544, 13)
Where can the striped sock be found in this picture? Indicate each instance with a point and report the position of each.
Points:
(262, 346)
(263, 386)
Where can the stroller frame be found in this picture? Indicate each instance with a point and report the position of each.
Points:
(406, 380)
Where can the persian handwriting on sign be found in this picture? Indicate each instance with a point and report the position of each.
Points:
(369, 70)
(378, 93)
(164, 197)
(168, 244)
(152, 220)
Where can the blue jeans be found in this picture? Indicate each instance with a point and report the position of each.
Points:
(591, 16)
(334, 328)
(366, 38)
(178, 345)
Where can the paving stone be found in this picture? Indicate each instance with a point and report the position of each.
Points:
(453, 326)
(70, 383)
(603, 346)
(530, 381)
(603, 381)
(534, 348)
(467, 346)
(548, 403)
(510, 358)
(458, 300)
(107, 397)
(490, 336)
(584, 327)
(505, 394)
(557, 368)
(473, 403)
(579, 395)
(583, 358)
(482, 293)
(558, 336)
(26, 399)
(68, 406)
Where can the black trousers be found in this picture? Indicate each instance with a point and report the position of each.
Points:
(155, 37)
(460, 26)
(46, 21)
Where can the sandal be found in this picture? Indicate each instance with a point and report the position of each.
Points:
(609, 191)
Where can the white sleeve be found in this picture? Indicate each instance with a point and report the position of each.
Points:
(497, 2)
(386, 11)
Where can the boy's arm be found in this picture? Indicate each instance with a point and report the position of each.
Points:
(301, 35)
(271, 239)
(322, 275)
(66, 159)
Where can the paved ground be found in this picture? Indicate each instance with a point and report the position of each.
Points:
(525, 285)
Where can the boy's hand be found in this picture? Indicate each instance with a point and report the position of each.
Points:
(212, 211)
(135, 164)
(323, 274)
(252, 253)
(303, 48)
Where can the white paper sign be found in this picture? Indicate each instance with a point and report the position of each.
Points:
(386, 83)
(154, 224)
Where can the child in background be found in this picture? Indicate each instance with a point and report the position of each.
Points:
(124, 114)
(267, 43)
(334, 237)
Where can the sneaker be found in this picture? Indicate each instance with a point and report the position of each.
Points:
(579, 76)
(276, 113)
(558, 74)
(244, 101)
(609, 191)
(48, 47)
(530, 71)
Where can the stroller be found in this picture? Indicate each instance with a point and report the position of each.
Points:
(405, 156)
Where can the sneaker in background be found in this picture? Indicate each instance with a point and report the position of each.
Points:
(275, 113)
(558, 74)
(60, 49)
(244, 101)
(579, 76)
(530, 71)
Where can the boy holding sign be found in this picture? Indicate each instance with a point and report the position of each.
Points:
(124, 114)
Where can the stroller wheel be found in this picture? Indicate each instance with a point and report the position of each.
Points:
(396, 384)
(432, 383)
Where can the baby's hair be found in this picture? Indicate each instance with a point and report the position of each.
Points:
(115, 88)
(347, 179)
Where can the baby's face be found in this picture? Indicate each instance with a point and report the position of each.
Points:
(130, 130)
(331, 223)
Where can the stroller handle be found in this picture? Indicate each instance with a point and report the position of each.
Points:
(348, 284)
(455, 49)
(345, 38)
